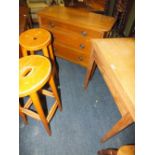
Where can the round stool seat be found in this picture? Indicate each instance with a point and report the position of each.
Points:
(34, 39)
(34, 72)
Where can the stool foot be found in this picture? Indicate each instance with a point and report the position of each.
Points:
(36, 102)
(55, 92)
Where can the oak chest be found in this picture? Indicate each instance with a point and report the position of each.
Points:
(72, 30)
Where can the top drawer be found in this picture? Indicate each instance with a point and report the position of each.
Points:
(50, 24)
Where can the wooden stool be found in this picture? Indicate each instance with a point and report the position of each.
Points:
(123, 150)
(34, 73)
(37, 39)
(126, 150)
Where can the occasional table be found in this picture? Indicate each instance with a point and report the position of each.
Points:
(115, 59)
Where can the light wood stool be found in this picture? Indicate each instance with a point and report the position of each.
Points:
(34, 73)
(123, 150)
(37, 39)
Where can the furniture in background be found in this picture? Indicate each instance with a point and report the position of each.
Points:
(72, 31)
(35, 6)
(37, 39)
(123, 150)
(24, 19)
(115, 59)
(34, 73)
(90, 5)
(124, 12)
(96, 4)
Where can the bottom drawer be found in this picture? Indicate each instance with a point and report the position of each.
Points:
(70, 54)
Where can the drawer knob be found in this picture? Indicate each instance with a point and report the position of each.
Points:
(82, 46)
(84, 33)
(51, 25)
(80, 58)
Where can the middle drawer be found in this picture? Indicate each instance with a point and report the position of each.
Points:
(72, 40)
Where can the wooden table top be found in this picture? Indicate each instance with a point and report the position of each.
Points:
(118, 55)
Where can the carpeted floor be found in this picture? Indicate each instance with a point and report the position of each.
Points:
(86, 116)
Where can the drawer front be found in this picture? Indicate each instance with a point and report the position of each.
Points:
(70, 54)
(72, 40)
(50, 24)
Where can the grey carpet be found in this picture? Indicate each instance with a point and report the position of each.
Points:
(85, 118)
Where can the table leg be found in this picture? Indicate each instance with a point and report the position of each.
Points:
(124, 122)
(90, 70)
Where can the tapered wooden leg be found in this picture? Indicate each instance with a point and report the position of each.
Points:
(24, 52)
(51, 52)
(22, 115)
(53, 61)
(92, 70)
(36, 102)
(32, 52)
(89, 70)
(55, 92)
(45, 52)
(124, 122)
(20, 52)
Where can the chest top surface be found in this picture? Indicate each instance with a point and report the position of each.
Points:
(81, 18)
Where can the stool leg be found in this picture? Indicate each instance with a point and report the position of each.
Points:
(24, 52)
(45, 52)
(22, 115)
(51, 52)
(53, 60)
(55, 92)
(32, 52)
(36, 102)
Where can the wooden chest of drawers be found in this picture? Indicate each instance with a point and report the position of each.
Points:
(72, 30)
